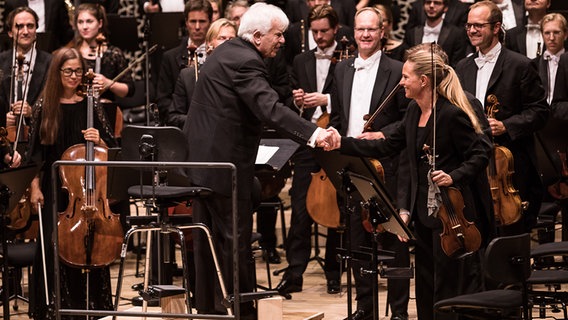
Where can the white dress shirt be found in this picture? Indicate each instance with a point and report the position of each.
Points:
(431, 34)
(485, 64)
(552, 63)
(509, 21)
(39, 7)
(534, 40)
(322, 70)
(361, 92)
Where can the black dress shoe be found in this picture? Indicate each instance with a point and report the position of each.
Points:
(289, 285)
(360, 315)
(273, 256)
(333, 287)
(138, 286)
(399, 317)
(138, 300)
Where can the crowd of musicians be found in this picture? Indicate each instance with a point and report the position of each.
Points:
(459, 108)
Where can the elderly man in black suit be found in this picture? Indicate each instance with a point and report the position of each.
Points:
(523, 109)
(435, 29)
(362, 84)
(23, 26)
(53, 19)
(231, 101)
(527, 39)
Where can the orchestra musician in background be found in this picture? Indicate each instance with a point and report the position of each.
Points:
(23, 26)
(59, 121)
(461, 156)
(495, 69)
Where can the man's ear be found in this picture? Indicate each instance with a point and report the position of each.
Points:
(256, 37)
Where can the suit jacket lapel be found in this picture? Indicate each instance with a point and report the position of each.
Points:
(418, 34)
(311, 73)
(383, 75)
(497, 70)
(348, 83)
(469, 77)
(329, 78)
(444, 34)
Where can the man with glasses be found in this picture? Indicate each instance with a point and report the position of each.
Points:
(23, 23)
(522, 102)
(436, 29)
(362, 84)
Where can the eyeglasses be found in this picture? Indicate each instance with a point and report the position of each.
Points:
(370, 30)
(68, 72)
(476, 26)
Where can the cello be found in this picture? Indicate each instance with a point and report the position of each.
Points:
(90, 235)
(506, 200)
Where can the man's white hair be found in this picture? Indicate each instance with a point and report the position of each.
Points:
(259, 17)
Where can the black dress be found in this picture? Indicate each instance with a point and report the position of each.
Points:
(73, 120)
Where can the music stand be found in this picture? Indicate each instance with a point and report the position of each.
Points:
(13, 185)
(346, 173)
(123, 32)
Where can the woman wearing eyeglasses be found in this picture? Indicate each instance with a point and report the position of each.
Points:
(60, 121)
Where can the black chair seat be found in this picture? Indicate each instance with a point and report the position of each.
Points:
(20, 254)
(546, 277)
(495, 299)
(168, 192)
(550, 249)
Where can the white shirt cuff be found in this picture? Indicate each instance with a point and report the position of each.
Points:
(313, 138)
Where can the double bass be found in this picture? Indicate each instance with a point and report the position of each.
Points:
(506, 200)
(90, 235)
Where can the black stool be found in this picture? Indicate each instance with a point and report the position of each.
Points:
(20, 255)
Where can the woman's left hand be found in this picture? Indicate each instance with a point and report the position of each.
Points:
(91, 134)
(442, 179)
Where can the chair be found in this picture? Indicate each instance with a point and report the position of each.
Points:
(20, 255)
(549, 270)
(507, 261)
(164, 189)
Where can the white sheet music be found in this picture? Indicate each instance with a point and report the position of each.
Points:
(265, 153)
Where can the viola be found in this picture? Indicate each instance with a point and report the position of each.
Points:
(507, 203)
(459, 237)
(90, 235)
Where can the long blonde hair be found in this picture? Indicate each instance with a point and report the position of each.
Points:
(447, 82)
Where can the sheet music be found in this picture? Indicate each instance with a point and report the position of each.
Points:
(265, 153)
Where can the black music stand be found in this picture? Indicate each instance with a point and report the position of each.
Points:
(349, 174)
(13, 185)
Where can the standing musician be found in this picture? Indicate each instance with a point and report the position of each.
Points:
(91, 24)
(197, 14)
(313, 76)
(392, 47)
(23, 23)
(361, 84)
(59, 121)
(527, 39)
(231, 101)
(219, 32)
(523, 109)
(461, 156)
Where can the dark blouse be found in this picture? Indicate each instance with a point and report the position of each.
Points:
(112, 64)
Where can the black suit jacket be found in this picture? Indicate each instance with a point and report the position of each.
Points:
(461, 153)
(388, 76)
(452, 39)
(559, 106)
(56, 20)
(231, 101)
(181, 98)
(304, 77)
(173, 61)
(298, 9)
(38, 77)
(294, 39)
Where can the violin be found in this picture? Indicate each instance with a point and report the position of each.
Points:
(19, 132)
(506, 200)
(90, 235)
(459, 237)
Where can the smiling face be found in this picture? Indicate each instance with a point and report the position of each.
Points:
(88, 25)
(71, 82)
(368, 33)
(24, 30)
(483, 33)
(413, 84)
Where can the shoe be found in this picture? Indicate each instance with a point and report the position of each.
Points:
(360, 315)
(138, 286)
(333, 286)
(399, 317)
(289, 285)
(273, 256)
(138, 300)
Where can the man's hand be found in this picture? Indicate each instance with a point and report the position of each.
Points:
(298, 95)
(13, 161)
(497, 127)
(314, 99)
(329, 139)
(151, 8)
(371, 135)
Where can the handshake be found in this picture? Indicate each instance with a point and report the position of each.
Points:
(329, 139)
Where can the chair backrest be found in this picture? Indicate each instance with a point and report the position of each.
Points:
(507, 259)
